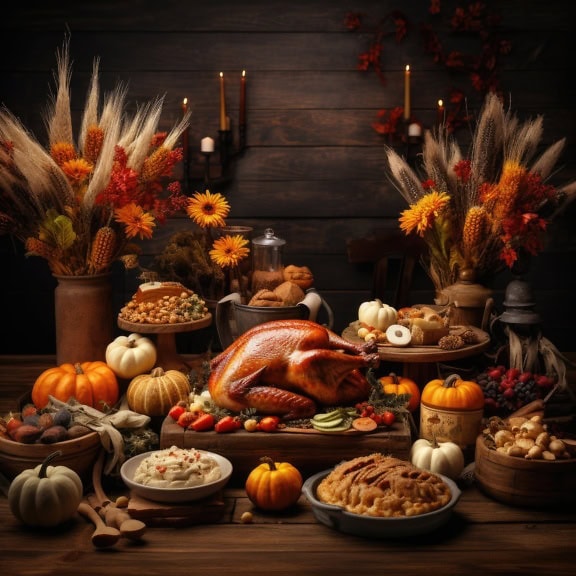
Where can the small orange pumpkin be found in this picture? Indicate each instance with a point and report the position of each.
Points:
(274, 485)
(90, 383)
(399, 385)
(453, 393)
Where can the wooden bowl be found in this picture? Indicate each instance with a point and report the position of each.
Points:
(79, 454)
(521, 482)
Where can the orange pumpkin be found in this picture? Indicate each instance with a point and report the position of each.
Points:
(399, 385)
(453, 393)
(91, 383)
(274, 485)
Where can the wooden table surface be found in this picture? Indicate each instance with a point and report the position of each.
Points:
(482, 537)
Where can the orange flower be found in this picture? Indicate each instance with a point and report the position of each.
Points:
(62, 152)
(208, 210)
(77, 171)
(229, 251)
(136, 221)
(421, 216)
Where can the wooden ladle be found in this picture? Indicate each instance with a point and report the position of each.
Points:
(103, 536)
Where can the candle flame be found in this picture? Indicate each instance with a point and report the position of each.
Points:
(440, 103)
(407, 67)
(221, 74)
(243, 73)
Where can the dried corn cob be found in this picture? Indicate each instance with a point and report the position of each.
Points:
(476, 226)
(103, 249)
(40, 248)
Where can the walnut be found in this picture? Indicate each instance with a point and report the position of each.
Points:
(469, 337)
(450, 342)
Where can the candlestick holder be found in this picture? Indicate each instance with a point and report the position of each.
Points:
(411, 139)
(206, 169)
(210, 178)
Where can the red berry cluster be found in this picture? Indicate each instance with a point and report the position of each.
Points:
(507, 389)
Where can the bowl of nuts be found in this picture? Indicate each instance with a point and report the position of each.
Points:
(29, 436)
(518, 461)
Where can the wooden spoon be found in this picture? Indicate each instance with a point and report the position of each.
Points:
(103, 536)
(112, 515)
(118, 518)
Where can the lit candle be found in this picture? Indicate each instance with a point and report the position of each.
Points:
(407, 93)
(185, 133)
(242, 120)
(222, 103)
(207, 145)
(440, 115)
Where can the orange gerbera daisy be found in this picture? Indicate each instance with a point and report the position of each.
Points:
(136, 221)
(229, 251)
(421, 216)
(77, 171)
(208, 210)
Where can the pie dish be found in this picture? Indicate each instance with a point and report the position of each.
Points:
(377, 527)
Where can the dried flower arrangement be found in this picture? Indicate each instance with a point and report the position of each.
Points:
(199, 259)
(483, 212)
(78, 205)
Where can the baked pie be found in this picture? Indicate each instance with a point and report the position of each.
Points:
(383, 486)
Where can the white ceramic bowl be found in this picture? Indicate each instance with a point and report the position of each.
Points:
(172, 495)
(371, 526)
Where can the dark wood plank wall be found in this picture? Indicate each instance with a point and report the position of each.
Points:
(314, 168)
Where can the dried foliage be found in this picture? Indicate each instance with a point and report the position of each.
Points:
(484, 212)
(79, 204)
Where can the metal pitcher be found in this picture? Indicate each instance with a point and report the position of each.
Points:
(234, 318)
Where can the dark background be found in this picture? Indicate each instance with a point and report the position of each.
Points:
(314, 168)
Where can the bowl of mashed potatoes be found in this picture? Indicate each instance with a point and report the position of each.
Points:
(176, 474)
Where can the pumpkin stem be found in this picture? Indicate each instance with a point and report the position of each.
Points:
(451, 380)
(394, 377)
(269, 461)
(78, 368)
(47, 460)
(157, 372)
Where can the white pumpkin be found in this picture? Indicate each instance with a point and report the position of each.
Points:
(444, 458)
(131, 355)
(45, 496)
(377, 314)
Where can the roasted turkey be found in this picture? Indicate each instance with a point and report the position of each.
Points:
(289, 368)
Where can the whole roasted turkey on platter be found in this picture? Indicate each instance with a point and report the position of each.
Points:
(289, 368)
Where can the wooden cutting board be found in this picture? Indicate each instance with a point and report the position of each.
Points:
(206, 511)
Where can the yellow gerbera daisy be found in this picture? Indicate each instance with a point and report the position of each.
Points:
(208, 210)
(229, 251)
(136, 221)
(420, 216)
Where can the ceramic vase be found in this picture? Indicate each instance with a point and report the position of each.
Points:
(84, 317)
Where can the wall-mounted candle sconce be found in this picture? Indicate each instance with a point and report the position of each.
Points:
(218, 175)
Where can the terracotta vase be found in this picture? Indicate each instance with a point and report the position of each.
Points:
(84, 317)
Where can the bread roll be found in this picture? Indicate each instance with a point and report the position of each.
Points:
(290, 293)
(300, 275)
